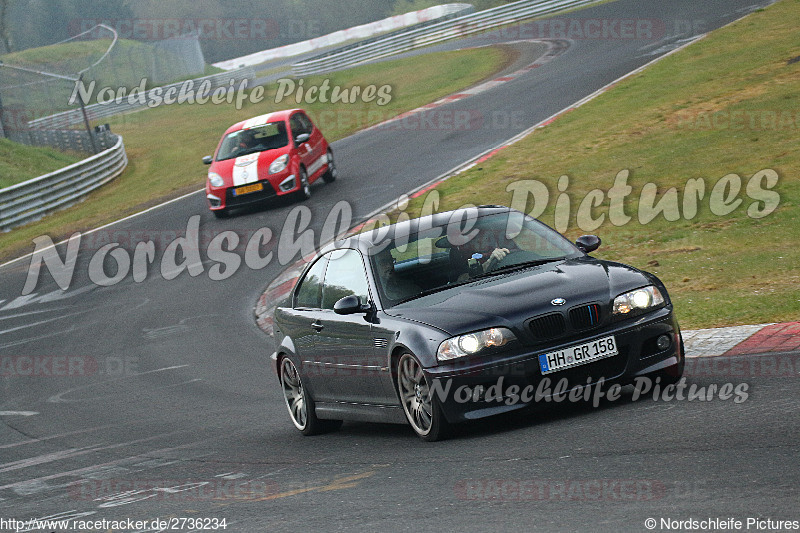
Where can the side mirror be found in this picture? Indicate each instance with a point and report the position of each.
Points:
(207, 160)
(303, 137)
(350, 305)
(588, 243)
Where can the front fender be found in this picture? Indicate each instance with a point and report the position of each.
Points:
(421, 342)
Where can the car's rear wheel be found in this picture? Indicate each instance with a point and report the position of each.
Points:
(304, 192)
(300, 403)
(421, 407)
(331, 173)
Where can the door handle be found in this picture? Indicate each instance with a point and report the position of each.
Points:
(317, 326)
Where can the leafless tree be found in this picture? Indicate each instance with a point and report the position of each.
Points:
(5, 40)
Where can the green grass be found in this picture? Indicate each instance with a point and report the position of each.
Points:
(165, 144)
(660, 125)
(19, 163)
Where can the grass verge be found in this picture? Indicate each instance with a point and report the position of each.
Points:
(725, 106)
(165, 144)
(20, 163)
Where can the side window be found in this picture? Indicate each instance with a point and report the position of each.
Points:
(297, 125)
(309, 294)
(345, 276)
(308, 126)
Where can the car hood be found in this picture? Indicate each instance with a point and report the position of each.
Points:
(246, 169)
(510, 299)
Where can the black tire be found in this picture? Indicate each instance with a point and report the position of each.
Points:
(423, 411)
(221, 213)
(300, 404)
(331, 173)
(304, 192)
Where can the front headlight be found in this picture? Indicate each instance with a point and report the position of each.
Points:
(215, 179)
(279, 164)
(634, 302)
(473, 343)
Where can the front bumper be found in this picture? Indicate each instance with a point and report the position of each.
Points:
(224, 198)
(478, 388)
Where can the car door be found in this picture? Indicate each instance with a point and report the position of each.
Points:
(345, 343)
(305, 150)
(300, 322)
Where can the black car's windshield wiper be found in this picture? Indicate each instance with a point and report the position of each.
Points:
(426, 292)
(519, 266)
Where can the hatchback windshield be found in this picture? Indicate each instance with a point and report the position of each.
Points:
(432, 260)
(266, 137)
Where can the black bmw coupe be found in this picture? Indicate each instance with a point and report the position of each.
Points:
(462, 315)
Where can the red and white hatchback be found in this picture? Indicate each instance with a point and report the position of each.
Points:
(265, 157)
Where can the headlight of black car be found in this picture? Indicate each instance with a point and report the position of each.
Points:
(473, 343)
(636, 302)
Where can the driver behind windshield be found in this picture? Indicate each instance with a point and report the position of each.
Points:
(481, 254)
(247, 139)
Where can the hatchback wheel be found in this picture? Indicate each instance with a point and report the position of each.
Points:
(304, 192)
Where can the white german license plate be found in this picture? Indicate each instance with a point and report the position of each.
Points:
(578, 355)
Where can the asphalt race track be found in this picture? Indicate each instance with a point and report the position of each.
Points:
(154, 398)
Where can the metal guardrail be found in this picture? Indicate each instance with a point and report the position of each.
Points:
(33, 199)
(126, 104)
(363, 31)
(434, 33)
(467, 9)
(65, 140)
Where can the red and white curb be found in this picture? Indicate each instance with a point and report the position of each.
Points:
(555, 47)
(738, 340)
(716, 341)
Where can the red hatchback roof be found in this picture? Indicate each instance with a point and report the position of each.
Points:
(261, 119)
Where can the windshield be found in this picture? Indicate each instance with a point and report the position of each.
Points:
(435, 259)
(266, 137)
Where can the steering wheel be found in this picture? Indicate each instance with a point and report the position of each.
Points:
(512, 257)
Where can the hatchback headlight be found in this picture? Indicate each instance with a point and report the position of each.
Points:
(279, 165)
(473, 343)
(634, 302)
(215, 179)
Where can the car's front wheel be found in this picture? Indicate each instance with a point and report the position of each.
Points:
(300, 404)
(420, 405)
(220, 213)
(304, 192)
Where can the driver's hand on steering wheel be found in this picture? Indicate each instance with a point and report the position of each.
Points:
(497, 255)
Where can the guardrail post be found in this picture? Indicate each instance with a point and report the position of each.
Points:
(2, 124)
(86, 119)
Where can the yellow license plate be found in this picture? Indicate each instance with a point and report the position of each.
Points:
(247, 189)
